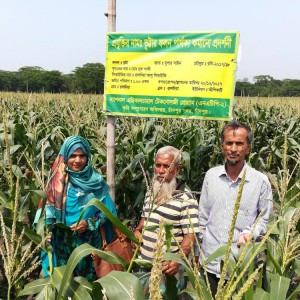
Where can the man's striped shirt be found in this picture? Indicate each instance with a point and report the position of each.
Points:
(181, 211)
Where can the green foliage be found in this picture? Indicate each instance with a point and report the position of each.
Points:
(267, 86)
(89, 78)
(33, 127)
(86, 79)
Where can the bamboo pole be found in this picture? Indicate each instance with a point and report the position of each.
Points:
(110, 142)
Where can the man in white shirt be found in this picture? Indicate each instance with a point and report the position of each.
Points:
(219, 193)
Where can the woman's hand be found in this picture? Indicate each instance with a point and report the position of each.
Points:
(48, 238)
(95, 257)
(82, 226)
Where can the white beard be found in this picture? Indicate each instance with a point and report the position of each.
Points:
(163, 191)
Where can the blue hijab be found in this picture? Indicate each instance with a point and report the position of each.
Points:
(88, 179)
(87, 184)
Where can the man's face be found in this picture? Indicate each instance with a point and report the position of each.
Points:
(77, 161)
(162, 169)
(235, 146)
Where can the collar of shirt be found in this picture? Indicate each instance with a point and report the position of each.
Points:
(245, 168)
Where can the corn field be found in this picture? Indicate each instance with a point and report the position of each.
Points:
(34, 126)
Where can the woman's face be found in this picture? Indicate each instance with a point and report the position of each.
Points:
(77, 161)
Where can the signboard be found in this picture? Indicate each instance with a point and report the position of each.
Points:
(171, 75)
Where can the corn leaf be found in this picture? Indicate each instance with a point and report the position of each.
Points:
(35, 286)
(121, 285)
(279, 286)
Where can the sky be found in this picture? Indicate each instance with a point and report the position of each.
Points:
(65, 34)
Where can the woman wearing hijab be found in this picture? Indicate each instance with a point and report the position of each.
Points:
(73, 183)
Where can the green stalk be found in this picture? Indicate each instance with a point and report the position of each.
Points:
(220, 291)
(7, 146)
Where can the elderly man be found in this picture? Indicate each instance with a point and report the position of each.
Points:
(169, 202)
(219, 193)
